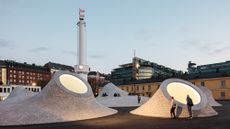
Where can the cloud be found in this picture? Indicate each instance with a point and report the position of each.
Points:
(4, 43)
(72, 53)
(220, 50)
(144, 34)
(200, 45)
(191, 43)
(95, 56)
(184, 31)
(40, 49)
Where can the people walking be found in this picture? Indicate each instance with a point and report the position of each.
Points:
(139, 98)
(173, 107)
(189, 105)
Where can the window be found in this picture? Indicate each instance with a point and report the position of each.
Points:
(143, 87)
(222, 83)
(222, 94)
(149, 87)
(0, 89)
(202, 84)
(193, 83)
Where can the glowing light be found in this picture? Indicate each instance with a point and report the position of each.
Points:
(34, 84)
(73, 84)
(80, 67)
(180, 91)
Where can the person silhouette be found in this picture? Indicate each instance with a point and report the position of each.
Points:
(173, 107)
(189, 105)
(139, 98)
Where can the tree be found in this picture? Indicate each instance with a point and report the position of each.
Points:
(41, 83)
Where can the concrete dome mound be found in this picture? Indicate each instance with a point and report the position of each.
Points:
(18, 95)
(208, 93)
(110, 89)
(159, 104)
(67, 97)
(121, 100)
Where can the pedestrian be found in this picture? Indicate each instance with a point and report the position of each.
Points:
(139, 98)
(173, 107)
(189, 105)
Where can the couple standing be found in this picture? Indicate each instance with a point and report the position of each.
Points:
(173, 107)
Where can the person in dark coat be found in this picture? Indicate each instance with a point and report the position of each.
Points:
(189, 105)
(139, 98)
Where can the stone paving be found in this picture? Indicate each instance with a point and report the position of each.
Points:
(125, 120)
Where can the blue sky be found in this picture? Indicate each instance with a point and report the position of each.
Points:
(168, 32)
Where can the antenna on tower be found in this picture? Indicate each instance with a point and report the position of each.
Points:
(134, 53)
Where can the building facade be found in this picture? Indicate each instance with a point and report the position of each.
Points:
(97, 80)
(142, 69)
(220, 87)
(209, 68)
(15, 73)
(215, 77)
(53, 67)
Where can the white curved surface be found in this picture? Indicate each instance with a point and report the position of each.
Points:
(55, 103)
(18, 95)
(208, 93)
(110, 89)
(123, 101)
(159, 104)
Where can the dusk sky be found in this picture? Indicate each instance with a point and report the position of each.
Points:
(167, 32)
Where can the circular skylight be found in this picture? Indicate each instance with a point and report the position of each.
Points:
(180, 91)
(73, 83)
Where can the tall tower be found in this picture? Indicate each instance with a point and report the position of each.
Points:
(82, 68)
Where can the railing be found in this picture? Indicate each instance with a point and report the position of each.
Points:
(6, 90)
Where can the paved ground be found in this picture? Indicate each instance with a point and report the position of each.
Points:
(124, 120)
